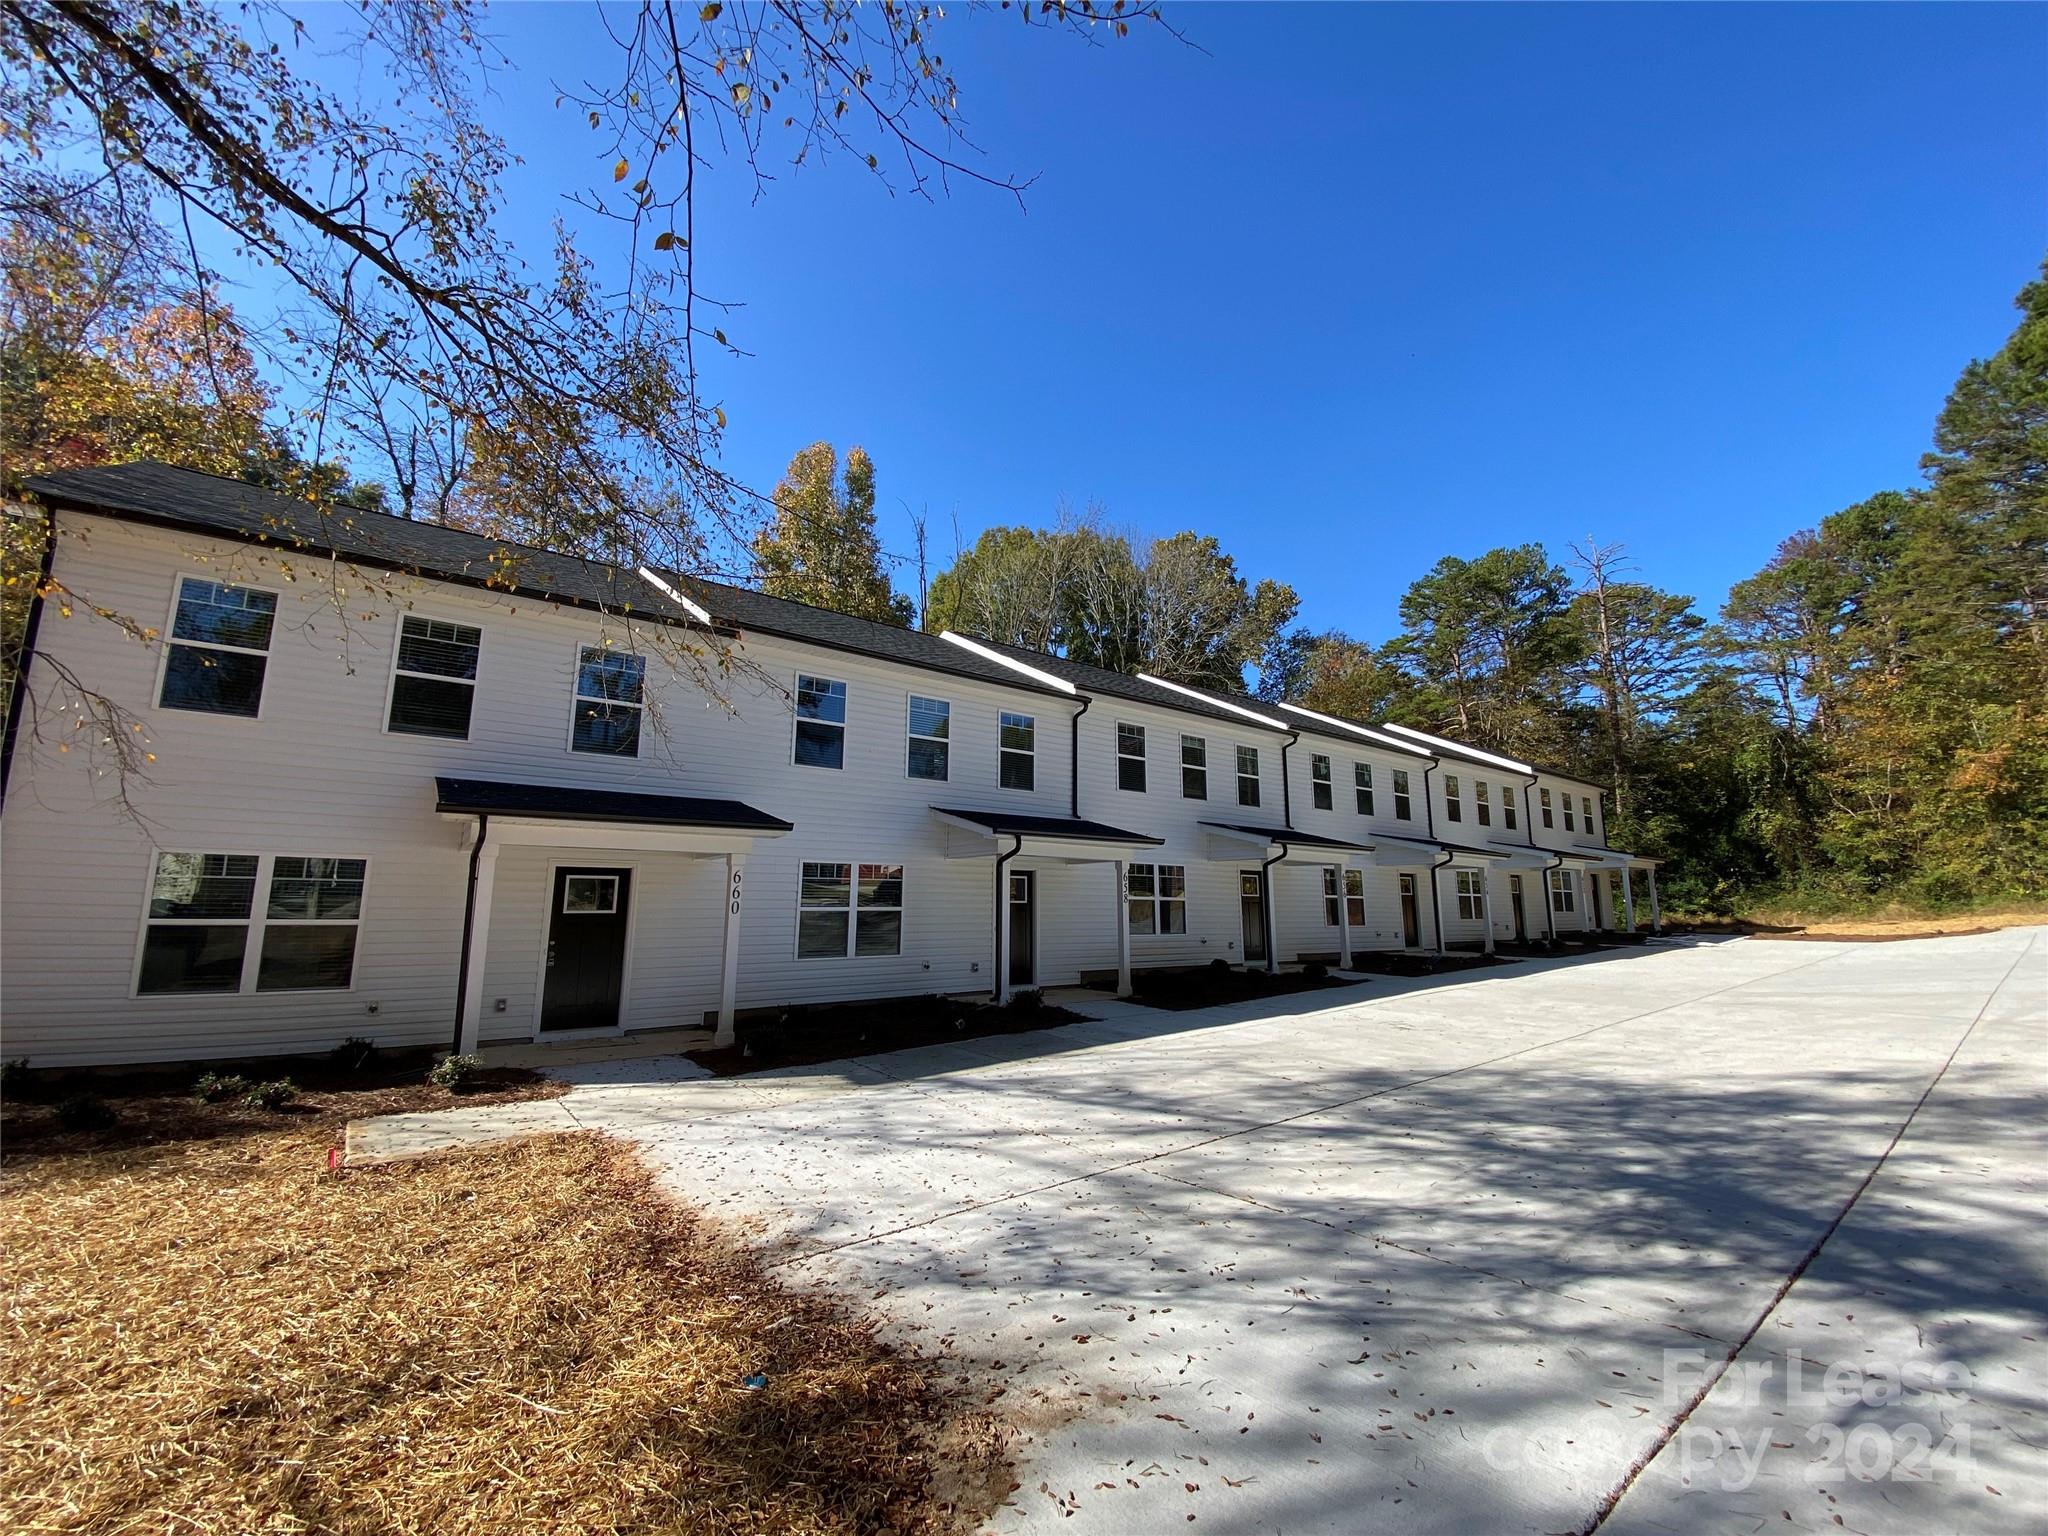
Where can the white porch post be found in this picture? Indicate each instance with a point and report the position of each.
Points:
(1272, 919)
(1436, 906)
(999, 984)
(1628, 899)
(729, 969)
(1486, 904)
(1123, 928)
(1656, 917)
(479, 944)
(1343, 922)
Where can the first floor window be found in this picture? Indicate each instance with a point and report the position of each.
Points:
(1471, 895)
(1543, 801)
(1194, 768)
(1130, 757)
(848, 909)
(1331, 886)
(433, 682)
(820, 722)
(1019, 752)
(1564, 891)
(1247, 775)
(1361, 781)
(1319, 780)
(219, 648)
(1482, 802)
(609, 701)
(1507, 806)
(1403, 806)
(1159, 898)
(1354, 897)
(931, 738)
(204, 922)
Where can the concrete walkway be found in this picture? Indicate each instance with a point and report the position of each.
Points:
(1467, 1254)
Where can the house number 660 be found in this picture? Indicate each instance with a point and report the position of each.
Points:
(734, 906)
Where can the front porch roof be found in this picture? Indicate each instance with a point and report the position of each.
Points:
(1609, 858)
(1267, 836)
(1061, 835)
(566, 802)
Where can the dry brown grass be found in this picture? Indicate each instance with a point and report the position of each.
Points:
(1886, 923)
(221, 1336)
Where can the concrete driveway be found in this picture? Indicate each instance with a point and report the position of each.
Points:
(1717, 1236)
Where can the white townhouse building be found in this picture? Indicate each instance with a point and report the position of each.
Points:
(427, 787)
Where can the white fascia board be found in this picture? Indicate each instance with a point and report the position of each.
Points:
(1459, 749)
(695, 610)
(1358, 730)
(1214, 703)
(1022, 669)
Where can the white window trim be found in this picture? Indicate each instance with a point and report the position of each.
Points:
(1404, 800)
(1258, 778)
(910, 735)
(1002, 717)
(1362, 784)
(1543, 805)
(1508, 809)
(392, 674)
(1325, 781)
(795, 720)
(255, 922)
(163, 660)
(1201, 767)
(1564, 882)
(1482, 802)
(1142, 757)
(1158, 902)
(577, 698)
(1333, 896)
(1472, 900)
(1355, 915)
(852, 909)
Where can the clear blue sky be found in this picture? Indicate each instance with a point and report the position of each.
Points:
(1353, 287)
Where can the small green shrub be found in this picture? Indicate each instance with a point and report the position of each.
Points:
(353, 1054)
(456, 1073)
(273, 1095)
(220, 1087)
(86, 1112)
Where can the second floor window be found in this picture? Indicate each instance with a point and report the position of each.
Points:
(1319, 781)
(820, 722)
(219, 648)
(609, 702)
(1404, 808)
(1568, 813)
(1471, 895)
(1586, 805)
(931, 738)
(1194, 768)
(1482, 802)
(1454, 807)
(1543, 801)
(1361, 782)
(433, 683)
(1507, 806)
(1130, 757)
(1019, 752)
(1247, 775)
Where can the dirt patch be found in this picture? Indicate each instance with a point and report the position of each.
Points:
(44, 1112)
(808, 1036)
(1205, 986)
(1875, 928)
(1420, 965)
(221, 1336)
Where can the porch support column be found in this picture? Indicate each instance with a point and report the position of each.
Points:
(1123, 928)
(1436, 906)
(1656, 917)
(1628, 899)
(1272, 917)
(479, 943)
(729, 968)
(1343, 922)
(1486, 905)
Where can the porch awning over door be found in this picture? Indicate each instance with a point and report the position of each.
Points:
(1231, 840)
(974, 835)
(569, 815)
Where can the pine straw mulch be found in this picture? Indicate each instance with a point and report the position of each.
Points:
(221, 1336)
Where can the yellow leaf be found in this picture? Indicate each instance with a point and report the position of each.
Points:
(619, 171)
(664, 240)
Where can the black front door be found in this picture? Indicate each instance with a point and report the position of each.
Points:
(1411, 921)
(1515, 891)
(586, 967)
(1251, 886)
(1023, 928)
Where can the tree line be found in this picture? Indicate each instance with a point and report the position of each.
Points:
(1863, 718)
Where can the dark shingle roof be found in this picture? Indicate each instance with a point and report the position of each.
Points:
(564, 802)
(1118, 685)
(1287, 835)
(183, 498)
(1049, 826)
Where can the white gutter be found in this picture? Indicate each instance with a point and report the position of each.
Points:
(1458, 748)
(695, 610)
(1214, 703)
(1357, 730)
(988, 653)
